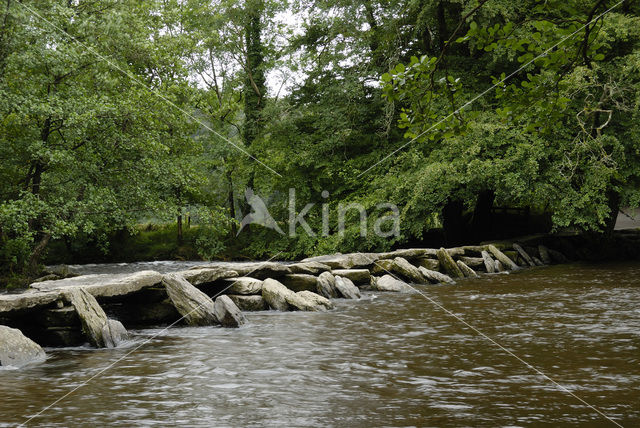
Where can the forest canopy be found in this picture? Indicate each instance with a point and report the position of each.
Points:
(116, 113)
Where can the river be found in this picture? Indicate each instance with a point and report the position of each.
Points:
(386, 360)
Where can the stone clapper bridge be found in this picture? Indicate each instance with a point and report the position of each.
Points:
(97, 309)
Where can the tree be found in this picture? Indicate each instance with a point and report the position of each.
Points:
(85, 139)
(558, 136)
(236, 46)
(254, 86)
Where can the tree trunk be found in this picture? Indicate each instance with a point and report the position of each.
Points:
(254, 85)
(232, 207)
(38, 167)
(4, 43)
(374, 44)
(180, 240)
(36, 178)
(442, 24)
(36, 254)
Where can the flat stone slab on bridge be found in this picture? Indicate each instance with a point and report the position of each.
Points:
(104, 285)
(259, 270)
(28, 300)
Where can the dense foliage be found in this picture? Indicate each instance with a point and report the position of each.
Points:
(117, 112)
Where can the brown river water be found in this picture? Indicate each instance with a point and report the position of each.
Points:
(386, 360)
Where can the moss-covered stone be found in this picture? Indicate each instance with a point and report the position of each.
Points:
(504, 260)
(466, 270)
(448, 264)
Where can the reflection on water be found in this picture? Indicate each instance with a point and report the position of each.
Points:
(388, 360)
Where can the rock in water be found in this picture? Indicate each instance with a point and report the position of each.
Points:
(406, 253)
(466, 270)
(373, 283)
(249, 303)
(448, 264)
(243, 285)
(300, 303)
(382, 266)
(300, 282)
(227, 313)
(207, 275)
(315, 300)
(389, 283)
(346, 288)
(114, 333)
(357, 276)
(557, 256)
(408, 271)
(326, 285)
(435, 276)
(428, 263)
(524, 255)
(17, 350)
(544, 254)
(504, 260)
(489, 264)
(195, 307)
(344, 261)
(92, 317)
(281, 298)
(472, 262)
(275, 294)
(259, 270)
(310, 268)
